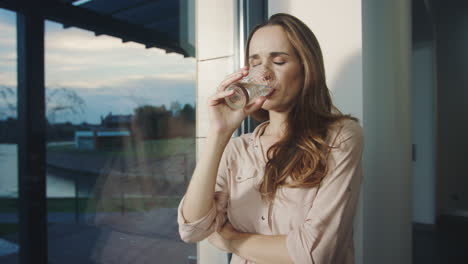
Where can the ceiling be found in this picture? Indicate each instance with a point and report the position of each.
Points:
(164, 24)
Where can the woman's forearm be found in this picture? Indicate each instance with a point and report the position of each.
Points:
(200, 193)
(261, 248)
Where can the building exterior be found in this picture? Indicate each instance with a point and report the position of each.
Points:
(113, 132)
(91, 140)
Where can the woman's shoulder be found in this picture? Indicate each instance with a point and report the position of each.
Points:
(347, 133)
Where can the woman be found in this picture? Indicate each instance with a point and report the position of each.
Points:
(287, 192)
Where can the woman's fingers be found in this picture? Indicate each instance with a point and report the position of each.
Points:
(229, 80)
(219, 97)
(221, 91)
(232, 78)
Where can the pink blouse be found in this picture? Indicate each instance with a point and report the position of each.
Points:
(318, 222)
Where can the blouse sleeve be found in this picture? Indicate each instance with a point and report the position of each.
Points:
(216, 216)
(327, 231)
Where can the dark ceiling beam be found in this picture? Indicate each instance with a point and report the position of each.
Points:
(135, 5)
(70, 15)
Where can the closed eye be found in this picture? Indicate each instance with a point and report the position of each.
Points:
(279, 63)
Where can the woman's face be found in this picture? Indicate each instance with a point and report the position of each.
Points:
(270, 48)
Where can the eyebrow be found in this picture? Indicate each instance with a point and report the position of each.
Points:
(272, 54)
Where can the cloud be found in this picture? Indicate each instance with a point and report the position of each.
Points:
(132, 85)
(73, 39)
(124, 98)
(8, 59)
(7, 78)
(125, 82)
(109, 75)
(77, 58)
(7, 51)
(7, 34)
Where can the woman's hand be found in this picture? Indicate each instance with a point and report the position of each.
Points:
(222, 239)
(223, 119)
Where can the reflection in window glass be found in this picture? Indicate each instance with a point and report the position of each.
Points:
(8, 141)
(120, 151)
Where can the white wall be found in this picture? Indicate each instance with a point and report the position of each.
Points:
(340, 39)
(423, 109)
(367, 52)
(215, 59)
(338, 27)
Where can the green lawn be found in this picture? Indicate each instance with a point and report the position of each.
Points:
(10, 205)
(67, 205)
(150, 148)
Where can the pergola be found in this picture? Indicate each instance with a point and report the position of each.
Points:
(164, 24)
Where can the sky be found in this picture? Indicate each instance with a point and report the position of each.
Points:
(110, 76)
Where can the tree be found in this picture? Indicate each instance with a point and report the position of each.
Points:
(188, 113)
(59, 101)
(8, 96)
(63, 102)
(151, 122)
(175, 108)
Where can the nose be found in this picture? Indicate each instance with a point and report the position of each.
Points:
(267, 76)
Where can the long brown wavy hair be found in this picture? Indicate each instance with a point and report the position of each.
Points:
(302, 153)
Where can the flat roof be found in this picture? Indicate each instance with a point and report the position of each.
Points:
(163, 24)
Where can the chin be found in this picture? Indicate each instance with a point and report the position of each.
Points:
(267, 105)
(271, 106)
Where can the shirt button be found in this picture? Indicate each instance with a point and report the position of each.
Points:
(239, 178)
(263, 218)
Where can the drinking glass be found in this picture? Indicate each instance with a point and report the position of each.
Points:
(258, 82)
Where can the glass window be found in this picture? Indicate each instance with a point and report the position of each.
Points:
(8, 141)
(120, 135)
(120, 148)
